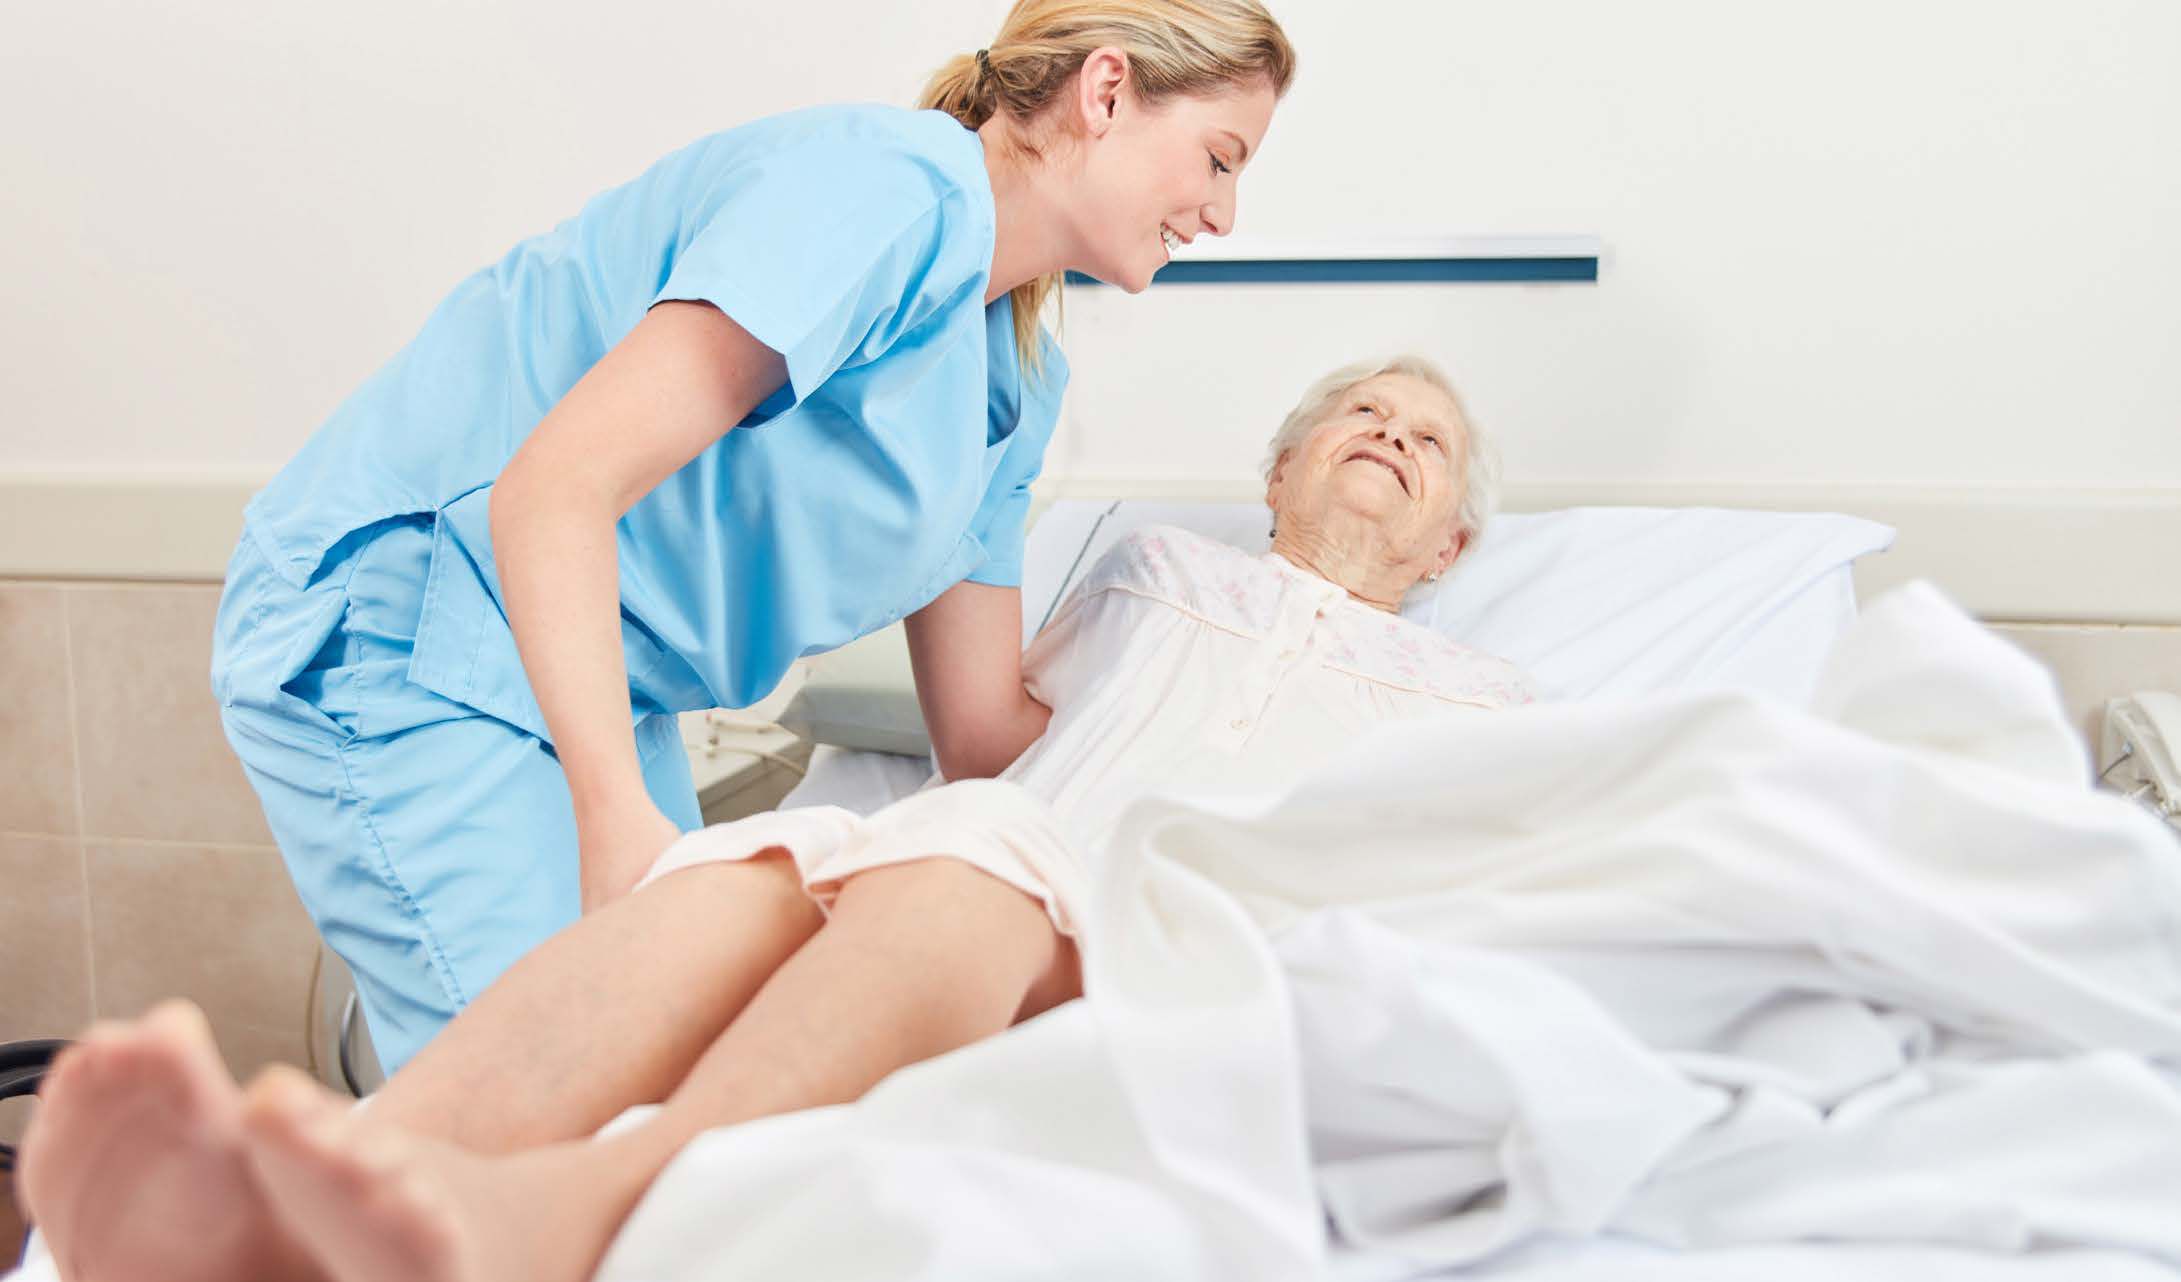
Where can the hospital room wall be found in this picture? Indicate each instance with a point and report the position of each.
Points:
(1856, 242)
(135, 864)
(1853, 243)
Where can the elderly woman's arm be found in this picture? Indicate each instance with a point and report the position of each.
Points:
(966, 650)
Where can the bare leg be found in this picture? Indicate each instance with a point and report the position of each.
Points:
(608, 1013)
(918, 959)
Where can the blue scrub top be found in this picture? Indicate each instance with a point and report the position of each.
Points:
(855, 241)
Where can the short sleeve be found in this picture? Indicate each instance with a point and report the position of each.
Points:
(1001, 518)
(1000, 530)
(1083, 644)
(825, 249)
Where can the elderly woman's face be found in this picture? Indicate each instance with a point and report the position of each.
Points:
(1392, 451)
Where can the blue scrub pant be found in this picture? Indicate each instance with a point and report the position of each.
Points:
(433, 844)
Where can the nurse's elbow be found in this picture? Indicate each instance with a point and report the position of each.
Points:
(950, 761)
(985, 751)
(961, 757)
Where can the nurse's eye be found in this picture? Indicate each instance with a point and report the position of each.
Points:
(1217, 166)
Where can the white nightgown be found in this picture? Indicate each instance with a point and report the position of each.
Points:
(1179, 664)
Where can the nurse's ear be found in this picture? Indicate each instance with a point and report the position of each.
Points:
(1098, 88)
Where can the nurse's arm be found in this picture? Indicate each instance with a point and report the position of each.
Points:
(680, 380)
(966, 651)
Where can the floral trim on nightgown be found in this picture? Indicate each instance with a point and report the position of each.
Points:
(1232, 590)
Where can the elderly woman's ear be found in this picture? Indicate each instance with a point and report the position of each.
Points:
(1452, 553)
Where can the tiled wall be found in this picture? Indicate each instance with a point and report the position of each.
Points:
(135, 861)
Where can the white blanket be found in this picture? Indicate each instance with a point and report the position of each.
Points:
(1700, 971)
(1694, 975)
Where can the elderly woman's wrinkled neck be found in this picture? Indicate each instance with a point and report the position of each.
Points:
(1347, 551)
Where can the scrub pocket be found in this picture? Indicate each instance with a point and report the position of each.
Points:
(359, 677)
(432, 843)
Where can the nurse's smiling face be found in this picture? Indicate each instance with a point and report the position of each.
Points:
(1153, 177)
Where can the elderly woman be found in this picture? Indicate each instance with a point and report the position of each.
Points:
(794, 959)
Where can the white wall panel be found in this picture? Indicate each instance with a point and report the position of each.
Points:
(1862, 242)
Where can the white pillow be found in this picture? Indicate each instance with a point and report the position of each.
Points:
(1589, 601)
(1625, 601)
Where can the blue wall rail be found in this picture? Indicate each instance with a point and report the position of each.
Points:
(1449, 260)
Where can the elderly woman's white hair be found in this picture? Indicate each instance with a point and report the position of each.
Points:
(1480, 495)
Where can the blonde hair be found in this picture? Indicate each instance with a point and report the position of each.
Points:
(1480, 459)
(1176, 48)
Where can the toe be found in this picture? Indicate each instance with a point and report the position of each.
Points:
(65, 1068)
(283, 1093)
(287, 1116)
(180, 1021)
(92, 1052)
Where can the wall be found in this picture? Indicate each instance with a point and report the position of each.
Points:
(1856, 243)
(1859, 242)
(136, 863)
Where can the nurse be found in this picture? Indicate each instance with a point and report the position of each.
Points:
(782, 389)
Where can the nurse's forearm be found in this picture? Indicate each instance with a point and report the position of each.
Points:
(966, 651)
(554, 547)
(684, 376)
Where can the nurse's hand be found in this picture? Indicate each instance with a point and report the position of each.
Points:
(618, 849)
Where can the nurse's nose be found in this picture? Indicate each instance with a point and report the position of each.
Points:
(1218, 219)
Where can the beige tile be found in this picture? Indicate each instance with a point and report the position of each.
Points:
(155, 762)
(37, 757)
(219, 925)
(45, 980)
(248, 1049)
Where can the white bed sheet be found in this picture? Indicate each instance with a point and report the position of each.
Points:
(1715, 986)
(1608, 1259)
(1703, 986)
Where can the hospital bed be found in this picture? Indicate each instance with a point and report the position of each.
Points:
(1594, 603)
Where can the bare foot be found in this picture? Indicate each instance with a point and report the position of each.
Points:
(376, 1204)
(134, 1166)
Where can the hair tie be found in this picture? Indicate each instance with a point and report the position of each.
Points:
(984, 64)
